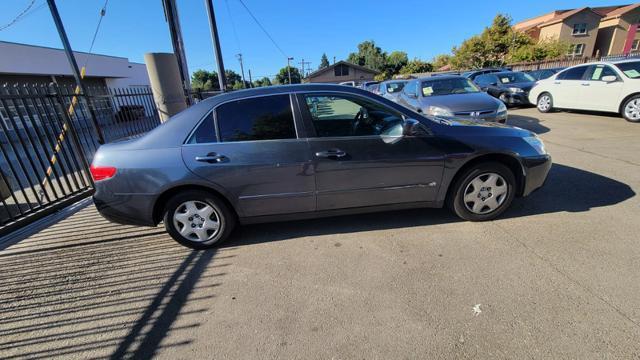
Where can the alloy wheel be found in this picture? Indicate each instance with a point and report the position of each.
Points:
(544, 103)
(632, 110)
(197, 221)
(485, 193)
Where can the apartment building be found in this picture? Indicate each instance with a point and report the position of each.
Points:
(590, 31)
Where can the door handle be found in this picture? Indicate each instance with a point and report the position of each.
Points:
(211, 158)
(586, 84)
(333, 153)
(557, 82)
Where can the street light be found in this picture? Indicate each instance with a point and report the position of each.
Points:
(289, 68)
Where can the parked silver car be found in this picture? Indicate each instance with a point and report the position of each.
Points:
(451, 97)
(391, 89)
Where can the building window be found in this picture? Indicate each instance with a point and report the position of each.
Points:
(341, 70)
(580, 29)
(576, 50)
(635, 45)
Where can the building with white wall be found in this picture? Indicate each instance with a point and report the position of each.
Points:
(22, 63)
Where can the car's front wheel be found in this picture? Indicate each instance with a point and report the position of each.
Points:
(198, 219)
(631, 109)
(545, 103)
(483, 192)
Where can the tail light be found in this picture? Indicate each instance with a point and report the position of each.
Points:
(99, 173)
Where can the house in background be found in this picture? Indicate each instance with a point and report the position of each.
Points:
(590, 31)
(22, 63)
(340, 72)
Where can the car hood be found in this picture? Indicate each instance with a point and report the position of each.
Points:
(462, 102)
(472, 127)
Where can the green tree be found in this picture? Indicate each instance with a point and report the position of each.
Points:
(547, 49)
(416, 66)
(265, 81)
(369, 55)
(324, 61)
(204, 80)
(233, 78)
(283, 76)
(440, 61)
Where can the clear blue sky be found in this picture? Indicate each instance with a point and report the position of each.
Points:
(303, 29)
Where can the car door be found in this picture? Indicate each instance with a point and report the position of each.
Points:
(598, 94)
(253, 150)
(567, 89)
(361, 158)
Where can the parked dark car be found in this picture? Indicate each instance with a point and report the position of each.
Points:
(391, 89)
(304, 151)
(451, 97)
(511, 87)
(473, 74)
(130, 113)
(544, 73)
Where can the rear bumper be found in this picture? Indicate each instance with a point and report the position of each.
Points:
(536, 171)
(126, 210)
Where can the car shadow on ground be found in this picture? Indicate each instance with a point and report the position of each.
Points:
(86, 288)
(567, 189)
(527, 122)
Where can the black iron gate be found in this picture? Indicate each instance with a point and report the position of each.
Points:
(47, 142)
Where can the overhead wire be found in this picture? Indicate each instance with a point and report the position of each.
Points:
(18, 17)
(263, 29)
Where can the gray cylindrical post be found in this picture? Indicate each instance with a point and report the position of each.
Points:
(166, 84)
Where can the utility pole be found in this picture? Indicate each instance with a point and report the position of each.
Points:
(334, 60)
(302, 64)
(222, 79)
(244, 83)
(74, 67)
(289, 68)
(171, 15)
(250, 80)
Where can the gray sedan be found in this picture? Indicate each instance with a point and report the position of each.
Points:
(391, 89)
(451, 97)
(285, 152)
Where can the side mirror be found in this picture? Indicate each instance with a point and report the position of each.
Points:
(609, 78)
(413, 127)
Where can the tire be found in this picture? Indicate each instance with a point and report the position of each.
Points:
(631, 109)
(544, 103)
(467, 187)
(177, 216)
(503, 97)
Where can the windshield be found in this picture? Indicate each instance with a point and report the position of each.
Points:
(395, 87)
(514, 77)
(630, 69)
(448, 87)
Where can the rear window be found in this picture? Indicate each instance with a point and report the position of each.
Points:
(206, 131)
(260, 118)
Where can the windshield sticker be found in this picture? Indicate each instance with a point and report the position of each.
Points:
(504, 80)
(427, 91)
(633, 73)
(597, 73)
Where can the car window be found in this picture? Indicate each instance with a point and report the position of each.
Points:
(630, 69)
(411, 88)
(260, 118)
(514, 77)
(484, 80)
(576, 73)
(206, 131)
(451, 86)
(597, 72)
(395, 87)
(341, 115)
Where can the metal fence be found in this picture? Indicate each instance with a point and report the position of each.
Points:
(566, 62)
(47, 141)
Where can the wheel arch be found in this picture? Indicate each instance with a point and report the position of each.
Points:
(510, 161)
(626, 98)
(161, 201)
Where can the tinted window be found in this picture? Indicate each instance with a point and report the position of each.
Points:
(514, 77)
(575, 73)
(351, 116)
(341, 70)
(597, 72)
(205, 133)
(395, 87)
(485, 80)
(261, 118)
(630, 69)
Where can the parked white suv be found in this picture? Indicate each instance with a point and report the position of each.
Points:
(600, 86)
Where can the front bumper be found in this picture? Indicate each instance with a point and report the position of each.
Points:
(514, 99)
(493, 117)
(536, 170)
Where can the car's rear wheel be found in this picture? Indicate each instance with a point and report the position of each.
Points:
(483, 192)
(545, 103)
(198, 219)
(631, 109)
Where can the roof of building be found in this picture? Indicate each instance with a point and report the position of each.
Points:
(328, 68)
(567, 14)
(621, 11)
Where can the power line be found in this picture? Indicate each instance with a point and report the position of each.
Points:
(19, 16)
(103, 12)
(263, 29)
(233, 26)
